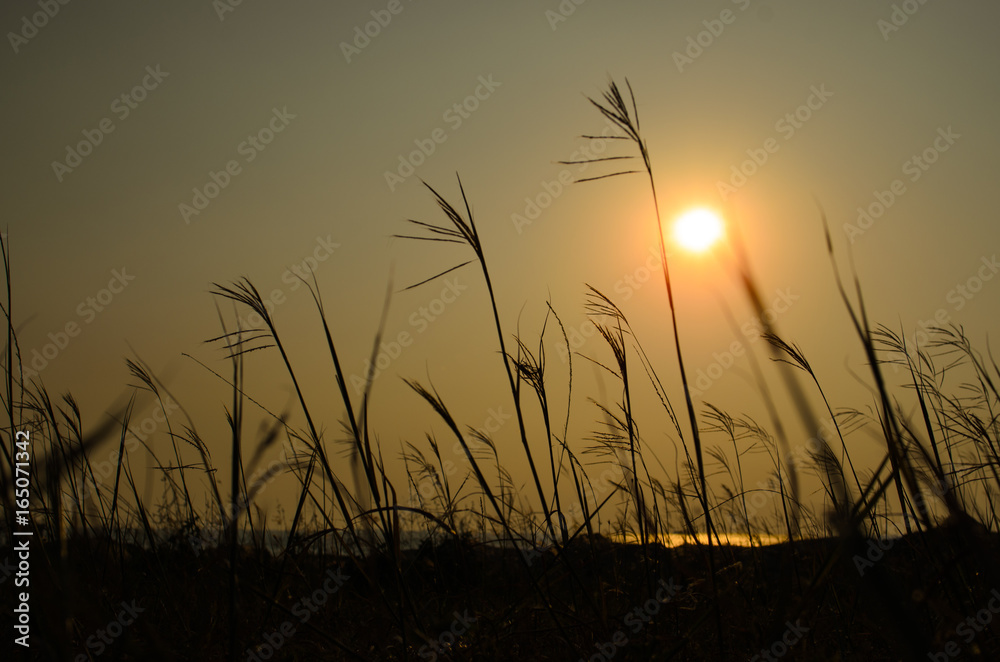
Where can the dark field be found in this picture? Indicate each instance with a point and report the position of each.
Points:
(466, 601)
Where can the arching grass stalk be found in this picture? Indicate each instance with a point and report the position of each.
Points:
(464, 231)
(531, 370)
(599, 306)
(615, 109)
(244, 292)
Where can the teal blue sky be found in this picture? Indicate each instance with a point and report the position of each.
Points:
(787, 103)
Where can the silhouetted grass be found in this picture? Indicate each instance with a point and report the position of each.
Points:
(216, 581)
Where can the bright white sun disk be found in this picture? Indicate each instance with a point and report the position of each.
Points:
(698, 229)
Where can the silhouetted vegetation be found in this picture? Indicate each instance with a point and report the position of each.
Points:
(496, 574)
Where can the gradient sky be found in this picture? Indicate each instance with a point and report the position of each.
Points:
(888, 95)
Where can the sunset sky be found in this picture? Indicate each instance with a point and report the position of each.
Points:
(153, 149)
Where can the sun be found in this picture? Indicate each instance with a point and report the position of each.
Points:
(697, 230)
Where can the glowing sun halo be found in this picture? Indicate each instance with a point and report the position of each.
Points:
(698, 229)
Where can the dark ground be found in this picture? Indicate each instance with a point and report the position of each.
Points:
(466, 601)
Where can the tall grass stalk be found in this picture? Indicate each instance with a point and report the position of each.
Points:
(463, 230)
(615, 109)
